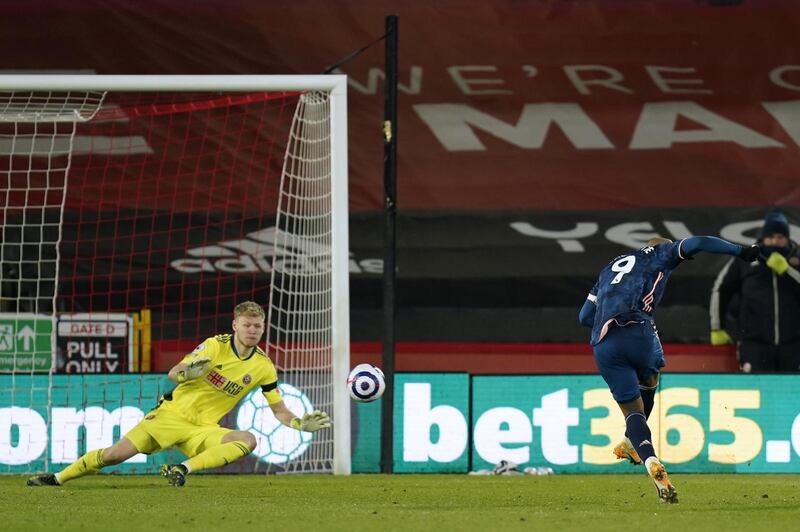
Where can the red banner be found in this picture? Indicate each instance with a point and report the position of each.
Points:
(503, 104)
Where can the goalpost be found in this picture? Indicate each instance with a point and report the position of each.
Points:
(136, 212)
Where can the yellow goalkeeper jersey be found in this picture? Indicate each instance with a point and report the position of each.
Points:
(206, 399)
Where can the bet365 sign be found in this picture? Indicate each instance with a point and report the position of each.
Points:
(700, 423)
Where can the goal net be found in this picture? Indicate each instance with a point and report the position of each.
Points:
(136, 212)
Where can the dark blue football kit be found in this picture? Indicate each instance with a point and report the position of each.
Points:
(627, 351)
(620, 308)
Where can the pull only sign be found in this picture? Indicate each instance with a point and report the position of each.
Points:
(93, 356)
(95, 344)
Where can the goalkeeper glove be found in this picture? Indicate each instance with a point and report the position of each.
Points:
(778, 263)
(750, 253)
(312, 422)
(720, 337)
(196, 368)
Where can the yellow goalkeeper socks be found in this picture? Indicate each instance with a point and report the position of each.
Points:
(218, 456)
(89, 463)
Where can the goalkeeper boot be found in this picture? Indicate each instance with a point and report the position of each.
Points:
(625, 451)
(43, 479)
(175, 473)
(657, 471)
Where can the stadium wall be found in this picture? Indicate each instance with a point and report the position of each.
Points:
(496, 358)
(525, 164)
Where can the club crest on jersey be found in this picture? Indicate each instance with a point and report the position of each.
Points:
(246, 379)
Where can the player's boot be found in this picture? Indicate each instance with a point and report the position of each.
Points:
(625, 451)
(43, 479)
(175, 473)
(657, 471)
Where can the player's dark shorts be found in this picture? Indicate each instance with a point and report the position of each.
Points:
(627, 355)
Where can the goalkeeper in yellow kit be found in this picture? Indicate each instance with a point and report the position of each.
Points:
(211, 380)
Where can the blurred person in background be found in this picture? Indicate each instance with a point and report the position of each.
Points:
(757, 304)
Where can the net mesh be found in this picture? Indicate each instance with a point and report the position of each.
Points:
(183, 204)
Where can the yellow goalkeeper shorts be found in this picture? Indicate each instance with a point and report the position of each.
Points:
(161, 429)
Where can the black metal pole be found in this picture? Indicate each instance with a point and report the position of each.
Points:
(389, 240)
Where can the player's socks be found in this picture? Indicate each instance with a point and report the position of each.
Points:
(89, 463)
(218, 456)
(648, 398)
(648, 394)
(639, 434)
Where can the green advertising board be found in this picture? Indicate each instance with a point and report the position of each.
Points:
(431, 422)
(26, 342)
(365, 437)
(77, 414)
(47, 424)
(443, 422)
(700, 423)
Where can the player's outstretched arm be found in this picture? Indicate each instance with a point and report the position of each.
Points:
(186, 372)
(711, 244)
(310, 422)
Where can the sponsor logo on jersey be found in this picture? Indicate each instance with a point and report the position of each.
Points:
(232, 388)
(224, 384)
(215, 379)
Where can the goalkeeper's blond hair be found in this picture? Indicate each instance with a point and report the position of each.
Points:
(249, 308)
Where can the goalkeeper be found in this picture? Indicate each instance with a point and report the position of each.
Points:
(210, 380)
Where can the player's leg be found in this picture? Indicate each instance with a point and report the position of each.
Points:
(647, 391)
(94, 461)
(628, 357)
(646, 356)
(636, 429)
(641, 440)
(212, 448)
(648, 367)
(612, 362)
(218, 451)
(91, 463)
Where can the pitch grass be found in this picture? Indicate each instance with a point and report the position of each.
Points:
(402, 502)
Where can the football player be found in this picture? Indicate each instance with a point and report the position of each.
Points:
(210, 381)
(627, 349)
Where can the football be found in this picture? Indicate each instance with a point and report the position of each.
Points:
(366, 383)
